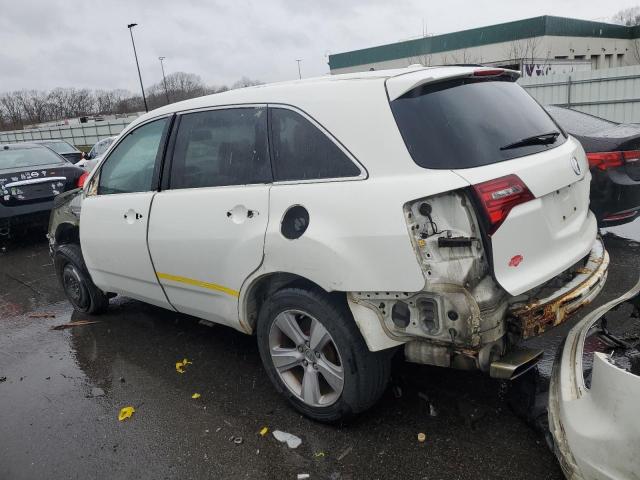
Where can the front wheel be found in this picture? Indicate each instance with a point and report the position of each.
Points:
(315, 356)
(76, 282)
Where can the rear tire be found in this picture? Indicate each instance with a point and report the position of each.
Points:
(328, 373)
(76, 281)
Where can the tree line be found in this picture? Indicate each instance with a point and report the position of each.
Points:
(27, 107)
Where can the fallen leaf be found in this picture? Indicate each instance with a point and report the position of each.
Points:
(42, 315)
(264, 431)
(180, 365)
(195, 395)
(77, 323)
(126, 412)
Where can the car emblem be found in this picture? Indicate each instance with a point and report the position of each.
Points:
(516, 260)
(575, 164)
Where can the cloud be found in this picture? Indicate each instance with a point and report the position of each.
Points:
(86, 44)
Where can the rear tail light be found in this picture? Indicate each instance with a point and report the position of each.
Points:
(631, 156)
(620, 216)
(605, 160)
(499, 196)
(81, 179)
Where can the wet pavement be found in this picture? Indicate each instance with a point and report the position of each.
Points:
(64, 388)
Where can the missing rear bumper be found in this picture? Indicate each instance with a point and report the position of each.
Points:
(540, 314)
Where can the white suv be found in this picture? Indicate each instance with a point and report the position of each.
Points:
(440, 210)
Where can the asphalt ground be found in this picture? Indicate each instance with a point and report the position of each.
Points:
(64, 389)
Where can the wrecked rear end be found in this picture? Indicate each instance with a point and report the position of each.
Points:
(594, 392)
(513, 253)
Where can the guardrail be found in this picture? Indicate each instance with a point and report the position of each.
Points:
(81, 134)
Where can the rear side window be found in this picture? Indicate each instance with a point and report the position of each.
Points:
(221, 147)
(300, 151)
(467, 123)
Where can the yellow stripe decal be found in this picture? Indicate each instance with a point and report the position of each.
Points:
(198, 283)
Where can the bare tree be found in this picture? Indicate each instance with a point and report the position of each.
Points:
(107, 101)
(635, 48)
(26, 107)
(628, 16)
(424, 60)
(246, 82)
(11, 110)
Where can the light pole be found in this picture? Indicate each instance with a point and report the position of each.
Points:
(299, 74)
(130, 27)
(164, 79)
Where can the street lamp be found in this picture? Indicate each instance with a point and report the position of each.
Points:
(299, 74)
(130, 27)
(164, 79)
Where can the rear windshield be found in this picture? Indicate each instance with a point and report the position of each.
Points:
(467, 123)
(60, 147)
(27, 157)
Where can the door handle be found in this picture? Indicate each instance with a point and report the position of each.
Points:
(131, 215)
(240, 213)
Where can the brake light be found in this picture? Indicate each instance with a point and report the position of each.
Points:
(631, 156)
(81, 179)
(488, 72)
(605, 160)
(499, 196)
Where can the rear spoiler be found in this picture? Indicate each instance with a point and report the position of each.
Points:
(400, 84)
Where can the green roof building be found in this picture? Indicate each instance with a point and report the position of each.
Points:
(538, 46)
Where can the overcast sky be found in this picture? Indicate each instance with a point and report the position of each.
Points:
(50, 43)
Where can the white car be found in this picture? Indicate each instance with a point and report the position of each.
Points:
(437, 210)
(94, 156)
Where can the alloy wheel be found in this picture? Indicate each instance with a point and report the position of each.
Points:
(306, 358)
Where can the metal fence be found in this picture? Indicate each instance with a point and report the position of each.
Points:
(611, 93)
(81, 134)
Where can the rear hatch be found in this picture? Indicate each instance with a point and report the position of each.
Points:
(30, 175)
(528, 180)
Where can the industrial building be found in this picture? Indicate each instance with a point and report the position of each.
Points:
(538, 46)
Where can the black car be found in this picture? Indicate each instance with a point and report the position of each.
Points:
(613, 150)
(63, 148)
(30, 177)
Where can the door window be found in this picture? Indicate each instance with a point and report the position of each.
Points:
(132, 164)
(302, 152)
(221, 147)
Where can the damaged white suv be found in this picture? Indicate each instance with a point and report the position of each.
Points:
(437, 210)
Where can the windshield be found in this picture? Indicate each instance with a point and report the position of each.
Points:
(27, 157)
(60, 147)
(465, 123)
(100, 147)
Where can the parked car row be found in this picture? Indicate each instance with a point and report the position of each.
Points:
(31, 175)
(443, 213)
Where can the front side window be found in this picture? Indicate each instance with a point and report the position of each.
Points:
(221, 147)
(303, 152)
(131, 165)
